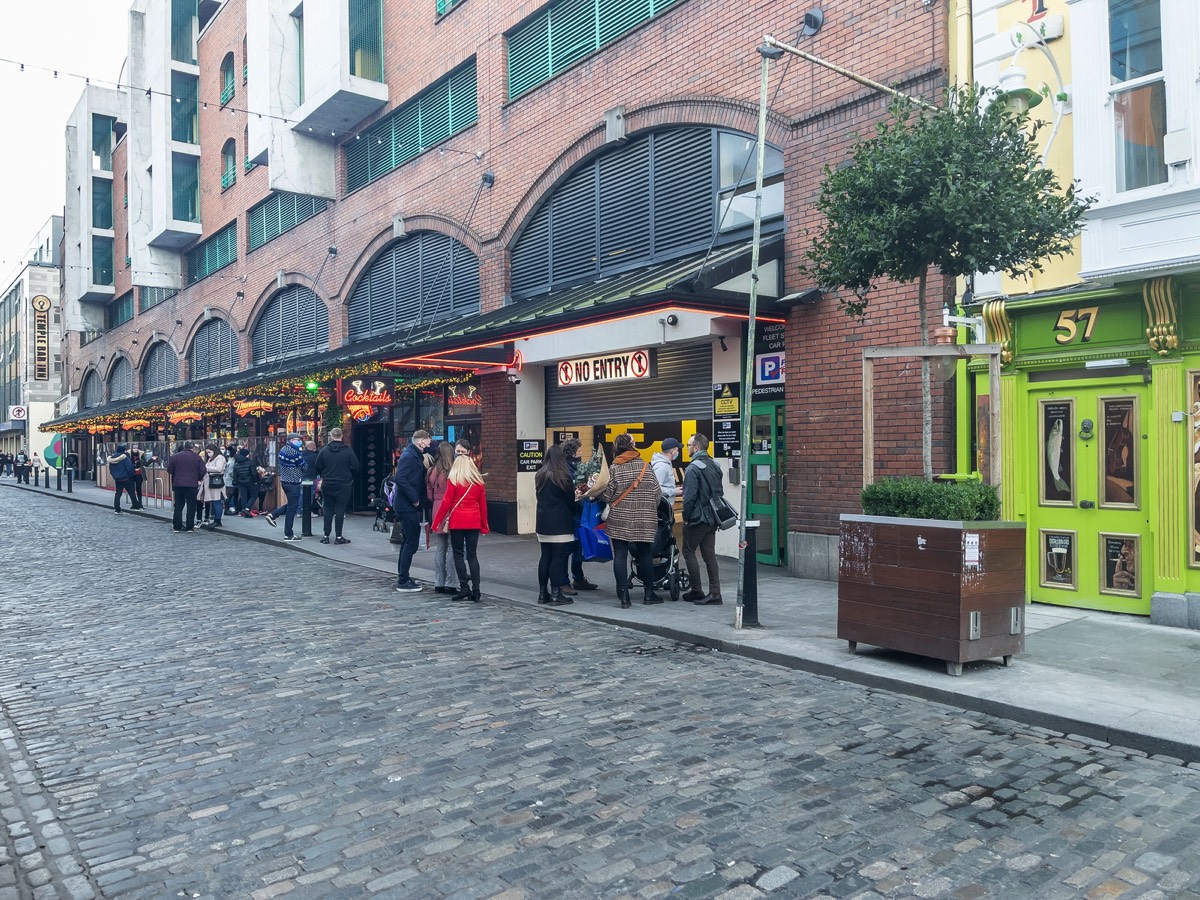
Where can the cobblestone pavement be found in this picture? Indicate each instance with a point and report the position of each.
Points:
(194, 716)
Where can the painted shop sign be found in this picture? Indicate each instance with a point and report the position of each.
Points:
(41, 338)
(631, 366)
(253, 407)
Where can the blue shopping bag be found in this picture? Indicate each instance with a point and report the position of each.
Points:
(593, 541)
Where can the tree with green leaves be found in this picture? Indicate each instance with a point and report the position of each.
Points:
(958, 187)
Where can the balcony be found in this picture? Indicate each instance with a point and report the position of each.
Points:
(228, 177)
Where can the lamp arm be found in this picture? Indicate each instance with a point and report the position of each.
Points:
(1057, 105)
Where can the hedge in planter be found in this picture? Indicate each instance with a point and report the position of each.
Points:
(915, 498)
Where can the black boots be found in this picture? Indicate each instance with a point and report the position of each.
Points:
(557, 598)
(464, 593)
(475, 591)
(651, 597)
(470, 591)
(623, 596)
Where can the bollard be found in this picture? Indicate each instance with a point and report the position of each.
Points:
(58, 480)
(750, 578)
(46, 472)
(70, 480)
(306, 500)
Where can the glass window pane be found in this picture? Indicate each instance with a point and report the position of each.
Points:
(1134, 39)
(737, 207)
(737, 162)
(1140, 119)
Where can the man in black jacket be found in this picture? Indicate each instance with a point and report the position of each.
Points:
(338, 467)
(187, 470)
(410, 496)
(701, 483)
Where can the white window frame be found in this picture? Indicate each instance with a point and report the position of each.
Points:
(1094, 107)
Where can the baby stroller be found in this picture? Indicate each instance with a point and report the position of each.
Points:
(385, 515)
(670, 574)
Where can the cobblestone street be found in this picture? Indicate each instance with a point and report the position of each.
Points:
(200, 716)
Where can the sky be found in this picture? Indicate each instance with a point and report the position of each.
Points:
(82, 37)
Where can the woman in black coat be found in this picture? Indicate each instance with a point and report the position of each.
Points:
(556, 502)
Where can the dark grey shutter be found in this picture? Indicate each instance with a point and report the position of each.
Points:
(681, 389)
(684, 191)
(91, 393)
(214, 350)
(425, 277)
(295, 321)
(161, 369)
(625, 207)
(530, 262)
(573, 228)
(120, 380)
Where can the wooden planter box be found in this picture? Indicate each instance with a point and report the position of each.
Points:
(954, 591)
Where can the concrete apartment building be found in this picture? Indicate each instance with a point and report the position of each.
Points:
(505, 221)
(31, 330)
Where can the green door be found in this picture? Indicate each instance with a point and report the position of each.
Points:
(1087, 496)
(765, 477)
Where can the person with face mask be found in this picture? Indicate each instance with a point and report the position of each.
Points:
(291, 466)
(212, 488)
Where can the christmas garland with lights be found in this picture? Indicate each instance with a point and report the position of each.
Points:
(286, 394)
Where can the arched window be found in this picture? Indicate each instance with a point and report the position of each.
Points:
(91, 392)
(120, 380)
(214, 350)
(227, 79)
(656, 198)
(420, 279)
(160, 370)
(228, 164)
(294, 321)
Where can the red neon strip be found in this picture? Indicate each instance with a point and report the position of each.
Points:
(635, 315)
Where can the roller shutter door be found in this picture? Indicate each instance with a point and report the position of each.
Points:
(681, 390)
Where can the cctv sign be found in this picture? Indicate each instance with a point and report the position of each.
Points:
(632, 366)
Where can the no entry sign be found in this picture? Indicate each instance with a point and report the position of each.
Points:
(630, 366)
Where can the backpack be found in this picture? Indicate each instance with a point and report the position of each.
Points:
(267, 481)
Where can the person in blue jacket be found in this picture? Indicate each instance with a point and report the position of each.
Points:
(120, 470)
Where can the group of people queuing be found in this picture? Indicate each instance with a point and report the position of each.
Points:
(209, 481)
(441, 486)
(632, 499)
(20, 465)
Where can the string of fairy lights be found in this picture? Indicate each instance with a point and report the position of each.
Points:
(284, 394)
(202, 104)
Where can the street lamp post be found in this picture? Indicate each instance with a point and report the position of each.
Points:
(744, 595)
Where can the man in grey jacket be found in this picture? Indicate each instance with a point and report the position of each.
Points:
(663, 464)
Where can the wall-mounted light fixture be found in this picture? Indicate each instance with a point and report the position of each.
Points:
(489, 178)
(1015, 90)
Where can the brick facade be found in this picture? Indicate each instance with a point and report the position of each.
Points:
(694, 63)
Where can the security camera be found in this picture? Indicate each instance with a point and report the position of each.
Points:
(513, 378)
(672, 319)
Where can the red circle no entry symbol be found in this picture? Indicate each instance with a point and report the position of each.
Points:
(640, 363)
(564, 373)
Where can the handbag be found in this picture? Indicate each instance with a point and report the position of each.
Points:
(444, 528)
(216, 480)
(594, 544)
(625, 493)
(726, 515)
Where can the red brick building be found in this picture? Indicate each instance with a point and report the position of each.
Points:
(492, 198)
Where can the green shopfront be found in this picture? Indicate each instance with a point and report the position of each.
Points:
(1100, 413)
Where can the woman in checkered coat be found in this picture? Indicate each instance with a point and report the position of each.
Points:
(632, 496)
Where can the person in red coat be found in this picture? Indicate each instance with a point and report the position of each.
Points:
(465, 505)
